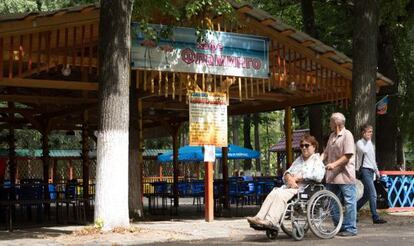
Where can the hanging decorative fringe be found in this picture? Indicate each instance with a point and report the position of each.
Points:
(173, 86)
(166, 85)
(159, 82)
(145, 80)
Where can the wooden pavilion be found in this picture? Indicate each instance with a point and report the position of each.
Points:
(48, 76)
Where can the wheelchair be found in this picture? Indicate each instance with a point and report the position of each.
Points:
(312, 208)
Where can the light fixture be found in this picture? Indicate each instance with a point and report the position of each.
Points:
(66, 71)
(292, 86)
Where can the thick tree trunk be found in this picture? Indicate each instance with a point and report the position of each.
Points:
(111, 200)
(386, 134)
(134, 166)
(256, 119)
(364, 50)
(247, 140)
(315, 111)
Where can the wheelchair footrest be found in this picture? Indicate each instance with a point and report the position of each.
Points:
(263, 227)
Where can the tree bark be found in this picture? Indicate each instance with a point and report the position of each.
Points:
(256, 119)
(247, 140)
(111, 200)
(134, 166)
(386, 134)
(364, 74)
(315, 111)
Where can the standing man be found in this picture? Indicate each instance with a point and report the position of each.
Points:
(339, 156)
(368, 169)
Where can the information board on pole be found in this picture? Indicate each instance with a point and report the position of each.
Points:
(208, 119)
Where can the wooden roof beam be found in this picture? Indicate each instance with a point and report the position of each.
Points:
(268, 21)
(49, 84)
(328, 54)
(308, 43)
(46, 99)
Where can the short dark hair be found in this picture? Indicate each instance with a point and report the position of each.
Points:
(364, 127)
(311, 139)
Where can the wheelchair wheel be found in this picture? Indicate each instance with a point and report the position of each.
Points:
(271, 234)
(298, 232)
(321, 207)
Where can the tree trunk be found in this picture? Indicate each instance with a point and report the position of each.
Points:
(315, 111)
(247, 141)
(256, 119)
(134, 166)
(386, 134)
(111, 200)
(364, 50)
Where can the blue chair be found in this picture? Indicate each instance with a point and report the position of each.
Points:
(197, 192)
(52, 192)
(31, 193)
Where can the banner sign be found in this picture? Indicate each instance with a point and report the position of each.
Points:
(208, 119)
(222, 53)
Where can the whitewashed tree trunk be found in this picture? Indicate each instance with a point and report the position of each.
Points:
(111, 199)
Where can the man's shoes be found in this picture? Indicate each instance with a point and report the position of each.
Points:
(346, 234)
(379, 221)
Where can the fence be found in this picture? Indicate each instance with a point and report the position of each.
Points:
(400, 185)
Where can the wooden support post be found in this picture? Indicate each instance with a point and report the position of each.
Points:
(12, 147)
(141, 150)
(85, 162)
(288, 134)
(54, 171)
(175, 165)
(70, 170)
(225, 170)
(208, 192)
(279, 171)
(45, 155)
(197, 167)
(160, 171)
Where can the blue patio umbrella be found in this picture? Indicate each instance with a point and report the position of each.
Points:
(195, 153)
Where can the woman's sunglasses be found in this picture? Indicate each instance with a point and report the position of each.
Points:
(304, 145)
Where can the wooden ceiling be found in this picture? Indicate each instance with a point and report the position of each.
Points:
(48, 68)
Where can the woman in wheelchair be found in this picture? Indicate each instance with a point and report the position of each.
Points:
(307, 167)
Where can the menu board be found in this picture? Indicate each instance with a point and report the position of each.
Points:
(208, 119)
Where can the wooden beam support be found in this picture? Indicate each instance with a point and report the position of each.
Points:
(49, 84)
(308, 43)
(328, 54)
(268, 21)
(288, 136)
(46, 99)
(45, 23)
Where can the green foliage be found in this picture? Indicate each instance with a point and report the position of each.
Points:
(197, 13)
(20, 6)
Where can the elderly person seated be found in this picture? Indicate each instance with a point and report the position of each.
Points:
(306, 167)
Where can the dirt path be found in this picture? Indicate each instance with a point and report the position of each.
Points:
(399, 231)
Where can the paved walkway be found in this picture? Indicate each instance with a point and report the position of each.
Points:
(399, 231)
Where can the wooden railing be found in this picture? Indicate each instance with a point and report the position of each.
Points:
(149, 189)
